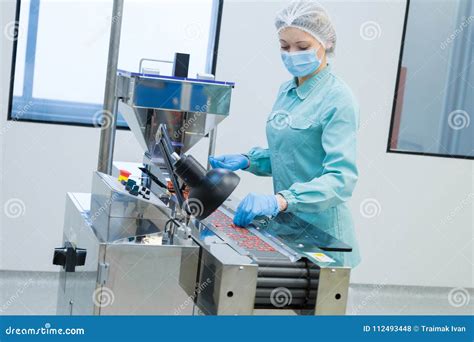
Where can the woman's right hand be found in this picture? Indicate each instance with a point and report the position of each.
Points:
(232, 162)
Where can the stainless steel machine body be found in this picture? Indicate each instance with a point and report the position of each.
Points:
(143, 274)
(127, 254)
(136, 275)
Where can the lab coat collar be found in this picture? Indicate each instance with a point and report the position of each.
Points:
(306, 88)
(290, 85)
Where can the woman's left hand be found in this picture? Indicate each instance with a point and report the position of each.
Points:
(254, 205)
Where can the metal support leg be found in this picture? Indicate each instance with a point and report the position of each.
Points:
(109, 111)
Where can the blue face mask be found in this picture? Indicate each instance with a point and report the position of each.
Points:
(301, 63)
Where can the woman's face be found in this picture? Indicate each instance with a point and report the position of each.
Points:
(294, 40)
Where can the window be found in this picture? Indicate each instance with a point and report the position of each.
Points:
(434, 105)
(61, 47)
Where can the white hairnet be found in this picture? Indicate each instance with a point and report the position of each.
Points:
(310, 17)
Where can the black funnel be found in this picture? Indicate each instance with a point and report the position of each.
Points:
(208, 189)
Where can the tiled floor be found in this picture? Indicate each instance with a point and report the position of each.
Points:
(35, 293)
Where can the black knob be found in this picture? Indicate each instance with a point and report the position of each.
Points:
(69, 257)
(80, 256)
(59, 257)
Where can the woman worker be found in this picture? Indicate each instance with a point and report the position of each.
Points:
(311, 134)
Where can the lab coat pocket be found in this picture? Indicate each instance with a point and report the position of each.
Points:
(279, 119)
(299, 123)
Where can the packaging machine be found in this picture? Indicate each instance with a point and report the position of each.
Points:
(132, 246)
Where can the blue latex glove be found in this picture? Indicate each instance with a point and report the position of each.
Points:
(232, 162)
(255, 205)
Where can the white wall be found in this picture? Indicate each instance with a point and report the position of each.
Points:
(39, 164)
(422, 234)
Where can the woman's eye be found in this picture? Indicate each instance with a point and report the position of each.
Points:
(285, 47)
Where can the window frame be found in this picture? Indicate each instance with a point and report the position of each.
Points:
(396, 98)
(59, 107)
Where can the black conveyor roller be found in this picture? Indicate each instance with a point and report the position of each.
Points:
(282, 263)
(286, 272)
(290, 302)
(286, 282)
(295, 293)
(298, 280)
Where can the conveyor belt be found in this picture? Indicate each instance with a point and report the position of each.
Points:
(286, 285)
(267, 303)
(290, 272)
(243, 237)
(296, 283)
(296, 293)
(281, 283)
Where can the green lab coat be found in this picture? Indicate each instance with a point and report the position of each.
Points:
(311, 154)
